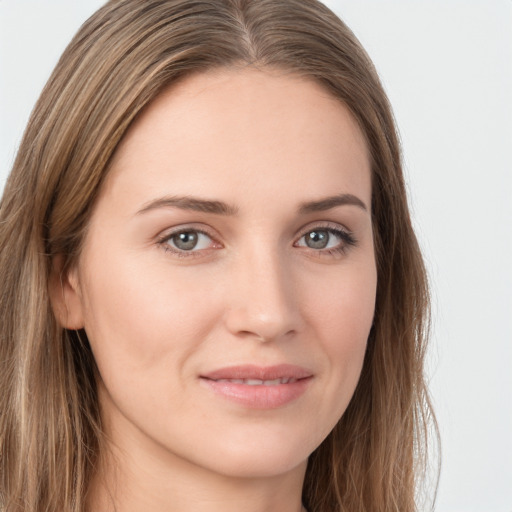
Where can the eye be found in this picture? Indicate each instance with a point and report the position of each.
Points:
(189, 240)
(319, 239)
(326, 239)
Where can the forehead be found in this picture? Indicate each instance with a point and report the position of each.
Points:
(248, 129)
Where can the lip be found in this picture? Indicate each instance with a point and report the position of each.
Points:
(265, 395)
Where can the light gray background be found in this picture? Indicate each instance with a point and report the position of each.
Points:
(447, 67)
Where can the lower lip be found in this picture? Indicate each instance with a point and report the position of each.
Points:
(259, 396)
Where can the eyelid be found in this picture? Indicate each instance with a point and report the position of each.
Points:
(346, 236)
(326, 225)
(167, 234)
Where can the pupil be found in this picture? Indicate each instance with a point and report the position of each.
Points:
(317, 239)
(185, 241)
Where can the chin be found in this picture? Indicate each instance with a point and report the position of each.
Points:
(262, 455)
(255, 466)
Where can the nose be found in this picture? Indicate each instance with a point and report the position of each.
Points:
(262, 298)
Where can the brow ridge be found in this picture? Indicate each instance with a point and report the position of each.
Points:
(222, 208)
(190, 203)
(328, 203)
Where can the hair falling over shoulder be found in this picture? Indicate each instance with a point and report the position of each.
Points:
(123, 56)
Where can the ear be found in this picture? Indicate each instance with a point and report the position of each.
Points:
(65, 295)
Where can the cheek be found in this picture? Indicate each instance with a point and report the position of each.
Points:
(138, 318)
(342, 304)
(341, 312)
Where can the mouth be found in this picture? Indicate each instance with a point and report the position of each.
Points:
(259, 382)
(259, 387)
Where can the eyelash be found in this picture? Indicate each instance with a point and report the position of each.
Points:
(346, 238)
(180, 253)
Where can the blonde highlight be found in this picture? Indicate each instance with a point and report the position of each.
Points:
(120, 60)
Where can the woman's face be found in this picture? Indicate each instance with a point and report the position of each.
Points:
(227, 280)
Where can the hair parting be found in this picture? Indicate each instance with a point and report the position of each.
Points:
(119, 61)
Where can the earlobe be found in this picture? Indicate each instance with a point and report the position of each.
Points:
(65, 295)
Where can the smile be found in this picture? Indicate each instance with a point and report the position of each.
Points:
(259, 382)
(258, 387)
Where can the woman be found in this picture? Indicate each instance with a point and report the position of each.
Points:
(212, 295)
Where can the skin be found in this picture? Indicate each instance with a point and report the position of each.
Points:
(252, 290)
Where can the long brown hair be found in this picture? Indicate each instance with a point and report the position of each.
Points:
(122, 57)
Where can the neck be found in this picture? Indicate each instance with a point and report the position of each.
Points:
(130, 482)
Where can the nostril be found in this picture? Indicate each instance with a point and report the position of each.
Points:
(265, 334)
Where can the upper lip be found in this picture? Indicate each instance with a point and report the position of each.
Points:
(251, 371)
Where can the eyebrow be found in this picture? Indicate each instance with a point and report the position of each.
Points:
(222, 208)
(331, 202)
(190, 203)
